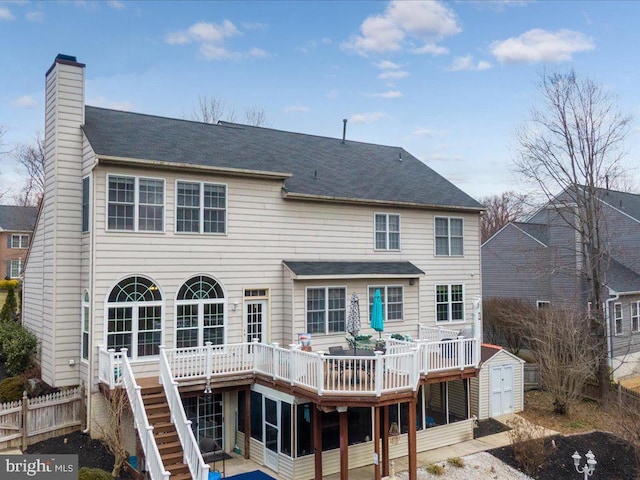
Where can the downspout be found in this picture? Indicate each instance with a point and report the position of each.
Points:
(607, 311)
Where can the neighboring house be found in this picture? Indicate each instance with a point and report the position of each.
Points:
(540, 262)
(16, 228)
(206, 251)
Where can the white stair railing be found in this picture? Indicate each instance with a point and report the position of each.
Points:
(145, 431)
(192, 457)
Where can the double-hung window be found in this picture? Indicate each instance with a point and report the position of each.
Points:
(19, 241)
(449, 236)
(392, 301)
(617, 317)
(450, 303)
(635, 317)
(201, 207)
(135, 204)
(387, 231)
(14, 268)
(86, 317)
(326, 309)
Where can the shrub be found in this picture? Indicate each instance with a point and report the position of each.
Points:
(18, 347)
(9, 311)
(435, 469)
(456, 462)
(86, 473)
(527, 441)
(11, 389)
(5, 284)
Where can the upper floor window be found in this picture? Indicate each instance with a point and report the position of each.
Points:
(326, 309)
(392, 301)
(19, 241)
(201, 207)
(449, 236)
(85, 204)
(200, 313)
(134, 317)
(14, 268)
(617, 318)
(84, 346)
(135, 204)
(450, 303)
(387, 229)
(635, 317)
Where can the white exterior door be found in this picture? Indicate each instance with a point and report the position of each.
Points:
(501, 390)
(255, 319)
(271, 433)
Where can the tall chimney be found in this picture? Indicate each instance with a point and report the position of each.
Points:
(344, 130)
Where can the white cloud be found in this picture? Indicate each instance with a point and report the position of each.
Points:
(332, 94)
(296, 108)
(5, 14)
(366, 117)
(431, 49)
(36, 16)
(326, 41)
(116, 4)
(428, 132)
(401, 21)
(539, 45)
(211, 38)
(467, 63)
(387, 65)
(393, 75)
(26, 101)
(389, 94)
(115, 105)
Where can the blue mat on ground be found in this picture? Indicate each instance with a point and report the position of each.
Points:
(255, 475)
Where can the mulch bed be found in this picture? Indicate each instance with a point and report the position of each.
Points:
(91, 453)
(614, 456)
(489, 427)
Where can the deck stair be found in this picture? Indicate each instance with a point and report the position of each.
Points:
(166, 436)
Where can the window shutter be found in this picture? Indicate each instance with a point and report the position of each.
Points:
(9, 240)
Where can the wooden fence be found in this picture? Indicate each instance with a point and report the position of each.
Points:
(531, 377)
(30, 421)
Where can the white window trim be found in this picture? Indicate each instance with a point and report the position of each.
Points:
(136, 204)
(201, 208)
(464, 309)
(385, 288)
(201, 303)
(542, 304)
(83, 305)
(387, 232)
(616, 318)
(435, 248)
(20, 268)
(162, 303)
(89, 215)
(20, 236)
(636, 316)
(326, 309)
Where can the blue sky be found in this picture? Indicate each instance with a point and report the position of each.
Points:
(448, 81)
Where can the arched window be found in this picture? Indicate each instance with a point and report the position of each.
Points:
(200, 313)
(134, 317)
(84, 353)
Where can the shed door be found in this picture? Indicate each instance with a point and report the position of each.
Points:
(501, 385)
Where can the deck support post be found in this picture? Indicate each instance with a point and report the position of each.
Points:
(412, 442)
(247, 423)
(385, 441)
(343, 416)
(316, 419)
(376, 444)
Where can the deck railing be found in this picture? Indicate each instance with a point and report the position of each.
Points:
(436, 334)
(109, 367)
(192, 457)
(145, 431)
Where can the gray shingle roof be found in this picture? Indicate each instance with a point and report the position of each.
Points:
(320, 166)
(17, 219)
(621, 278)
(629, 203)
(353, 268)
(537, 230)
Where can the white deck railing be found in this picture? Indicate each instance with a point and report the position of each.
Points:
(109, 367)
(145, 431)
(192, 457)
(436, 334)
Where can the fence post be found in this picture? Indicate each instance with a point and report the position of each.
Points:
(83, 406)
(25, 423)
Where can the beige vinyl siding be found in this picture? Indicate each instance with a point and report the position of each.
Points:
(457, 400)
(474, 393)
(481, 388)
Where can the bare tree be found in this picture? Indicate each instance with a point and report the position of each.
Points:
(30, 157)
(575, 143)
(566, 356)
(212, 110)
(502, 321)
(500, 210)
(112, 431)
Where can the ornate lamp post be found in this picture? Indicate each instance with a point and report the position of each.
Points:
(588, 467)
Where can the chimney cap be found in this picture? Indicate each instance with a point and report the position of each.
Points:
(67, 58)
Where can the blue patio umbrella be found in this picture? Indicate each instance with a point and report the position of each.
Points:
(377, 314)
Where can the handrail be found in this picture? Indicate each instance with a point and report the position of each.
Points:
(155, 466)
(192, 457)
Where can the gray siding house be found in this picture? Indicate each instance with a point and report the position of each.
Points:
(539, 261)
(205, 254)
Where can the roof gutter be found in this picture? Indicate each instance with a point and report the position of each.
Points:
(173, 166)
(367, 201)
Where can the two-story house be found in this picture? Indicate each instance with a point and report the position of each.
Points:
(187, 259)
(16, 227)
(541, 261)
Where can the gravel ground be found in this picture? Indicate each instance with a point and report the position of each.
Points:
(478, 466)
